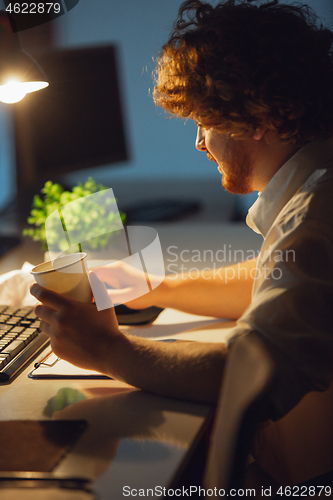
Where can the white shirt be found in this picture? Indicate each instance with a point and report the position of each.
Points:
(292, 301)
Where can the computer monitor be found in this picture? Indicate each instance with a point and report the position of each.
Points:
(75, 123)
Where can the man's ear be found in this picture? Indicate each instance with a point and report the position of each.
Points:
(259, 132)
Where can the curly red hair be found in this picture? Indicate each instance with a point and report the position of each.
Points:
(237, 65)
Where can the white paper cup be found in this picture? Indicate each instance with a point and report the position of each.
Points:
(66, 275)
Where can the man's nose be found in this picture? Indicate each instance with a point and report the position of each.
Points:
(200, 142)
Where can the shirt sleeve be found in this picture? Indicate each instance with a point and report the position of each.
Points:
(291, 312)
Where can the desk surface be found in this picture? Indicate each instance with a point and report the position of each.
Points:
(134, 438)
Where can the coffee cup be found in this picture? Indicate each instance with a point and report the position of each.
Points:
(66, 275)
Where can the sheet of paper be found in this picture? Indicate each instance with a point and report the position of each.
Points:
(53, 367)
(170, 324)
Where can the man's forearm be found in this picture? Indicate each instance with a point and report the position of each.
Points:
(223, 293)
(185, 370)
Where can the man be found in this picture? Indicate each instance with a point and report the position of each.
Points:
(258, 81)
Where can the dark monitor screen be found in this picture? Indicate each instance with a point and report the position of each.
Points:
(75, 123)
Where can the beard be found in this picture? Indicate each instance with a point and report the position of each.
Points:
(236, 167)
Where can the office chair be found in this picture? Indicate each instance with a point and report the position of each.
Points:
(248, 376)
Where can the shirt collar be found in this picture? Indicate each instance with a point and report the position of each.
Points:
(286, 182)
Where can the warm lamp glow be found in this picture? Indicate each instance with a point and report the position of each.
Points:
(14, 91)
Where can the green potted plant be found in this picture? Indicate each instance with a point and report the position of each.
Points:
(83, 218)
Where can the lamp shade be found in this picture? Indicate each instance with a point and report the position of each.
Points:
(19, 72)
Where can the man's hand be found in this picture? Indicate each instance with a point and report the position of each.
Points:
(130, 285)
(91, 339)
(78, 332)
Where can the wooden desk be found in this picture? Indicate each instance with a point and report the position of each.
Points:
(134, 439)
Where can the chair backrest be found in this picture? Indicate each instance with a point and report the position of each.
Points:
(247, 377)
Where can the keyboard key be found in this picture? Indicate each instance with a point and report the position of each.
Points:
(17, 329)
(5, 328)
(11, 310)
(13, 348)
(26, 323)
(23, 312)
(10, 335)
(13, 321)
(3, 344)
(31, 315)
(4, 318)
(26, 337)
(3, 360)
(32, 332)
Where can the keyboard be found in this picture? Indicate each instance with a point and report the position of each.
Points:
(20, 339)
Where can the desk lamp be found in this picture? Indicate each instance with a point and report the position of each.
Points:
(19, 72)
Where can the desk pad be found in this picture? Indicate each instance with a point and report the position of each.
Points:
(32, 445)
